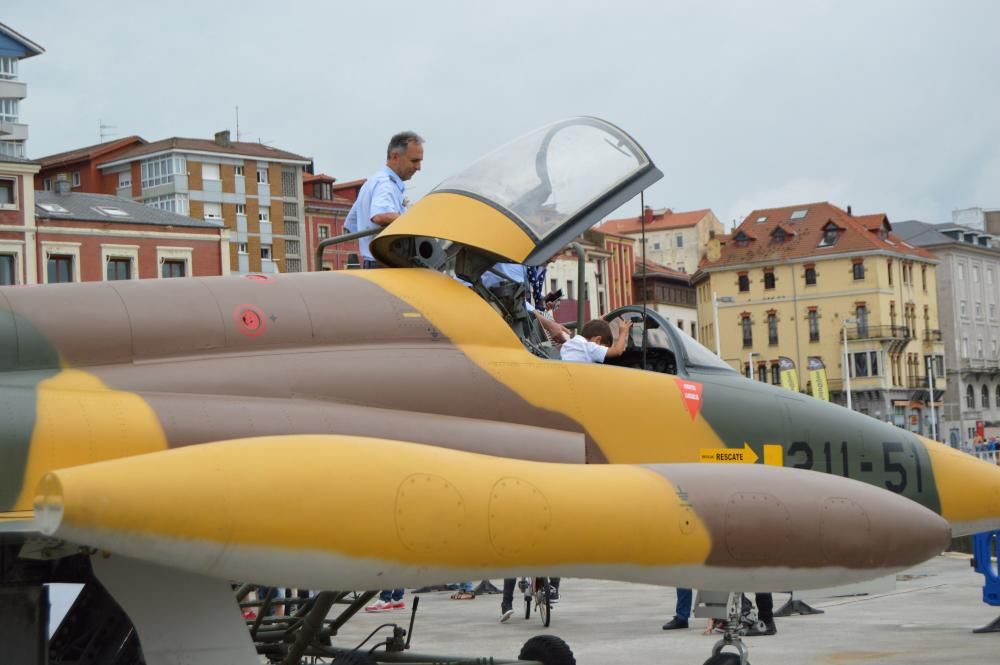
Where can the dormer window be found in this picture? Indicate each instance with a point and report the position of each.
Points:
(778, 235)
(742, 239)
(830, 235)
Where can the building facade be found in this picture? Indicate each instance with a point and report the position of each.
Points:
(326, 206)
(75, 237)
(14, 48)
(669, 293)
(968, 290)
(609, 259)
(676, 240)
(815, 281)
(80, 165)
(253, 190)
(18, 229)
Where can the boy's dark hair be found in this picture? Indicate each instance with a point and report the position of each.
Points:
(598, 327)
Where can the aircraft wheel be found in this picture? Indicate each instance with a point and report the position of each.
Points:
(547, 649)
(727, 658)
(354, 658)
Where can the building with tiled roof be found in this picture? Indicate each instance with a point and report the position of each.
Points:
(327, 205)
(968, 293)
(80, 164)
(796, 282)
(254, 190)
(667, 291)
(673, 239)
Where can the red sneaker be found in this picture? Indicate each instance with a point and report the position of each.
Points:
(398, 605)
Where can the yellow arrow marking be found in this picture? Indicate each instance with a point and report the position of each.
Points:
(729, 455)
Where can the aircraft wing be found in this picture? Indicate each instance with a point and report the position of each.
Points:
(378, 513)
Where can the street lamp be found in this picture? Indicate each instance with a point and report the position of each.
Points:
(715, 303)
(750, 357)
(847, 362)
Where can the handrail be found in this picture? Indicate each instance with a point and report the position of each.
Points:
(336, 240)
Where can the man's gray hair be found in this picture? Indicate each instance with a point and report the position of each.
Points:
(398, 143)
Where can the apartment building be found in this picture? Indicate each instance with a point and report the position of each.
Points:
(816, 281)
(14, 47)
(968, 291)
(251, 189)
(327, 203)
(676, 240)
(669, 292)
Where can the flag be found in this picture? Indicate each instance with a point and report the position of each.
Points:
(817, 376)
(789, 375)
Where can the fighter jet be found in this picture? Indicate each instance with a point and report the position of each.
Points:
(423, 431)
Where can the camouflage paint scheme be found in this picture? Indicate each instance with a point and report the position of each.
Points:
(105, 371)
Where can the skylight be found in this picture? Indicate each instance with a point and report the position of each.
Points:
(799, 214)
(53, 207)
(761, 220)
(111, 211)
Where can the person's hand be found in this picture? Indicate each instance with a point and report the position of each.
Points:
(624, 326)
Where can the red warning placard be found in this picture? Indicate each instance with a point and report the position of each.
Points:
(691, 394)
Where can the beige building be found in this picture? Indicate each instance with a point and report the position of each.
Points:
(676, 240)
(795, 282)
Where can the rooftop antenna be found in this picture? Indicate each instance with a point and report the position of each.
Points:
(102, 129)
(237, 122)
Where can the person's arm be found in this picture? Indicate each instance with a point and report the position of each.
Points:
(618, 348)
(384, 208)
(559, 332)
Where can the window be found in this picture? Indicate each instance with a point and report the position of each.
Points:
(858, 270)
(761, 220)
(963, 308)
(762, 373)
(124, 179)
(656, 245)
(989, 280)
(265, 252)
(813, 326)
(799, 214)
(742, 239)
(239, 171)
(8, 269)
(323, 232)
(570, 291)
(264, 215)
(965, 347)
(176, 203)
(747, 332)
(680, 239)
(889, 264)
(975, 274)
(979, 347)
(553, 285)
(111, 211)
(744, 281)
(873, 356)
(119, 268)
(768, 279)
(985, 396)
(8, 193)
(262, 178)
(47, 184)
(53, 207)
(779, 235)
(161, 170)
(970, 397)
(993, 310)
(172, 268)
(241, 209)
(860, 367)
(8, 110)
(8, 67)
(961, 272)
(923, 277)
(830, 234)
(776, 374)
(76, 178)
(241, 248)
(996, 397)
(213, 211)
(810, 275)
(209, 171)
(861, 314)
(292, 247)
(772, 329)
(979, 310)
(60, 268)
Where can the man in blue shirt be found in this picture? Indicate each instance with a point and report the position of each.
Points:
(380, 199)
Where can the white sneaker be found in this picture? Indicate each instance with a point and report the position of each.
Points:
(379, 606)
(506, 615)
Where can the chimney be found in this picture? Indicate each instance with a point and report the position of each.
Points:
(62, 183)
(848, 210)
(222, 138)
(647, 215)
(713, 249)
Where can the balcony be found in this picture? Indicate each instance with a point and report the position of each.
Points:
(13, 131)
(878, 332)
(932, 335)
(980, 364)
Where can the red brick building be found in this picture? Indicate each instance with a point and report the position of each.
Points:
(74, 237)
(17, 220)
(80, 165)
(326, 206)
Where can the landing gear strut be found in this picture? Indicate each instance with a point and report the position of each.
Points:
(731, 637)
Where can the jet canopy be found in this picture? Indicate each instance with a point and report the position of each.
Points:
(523, 202)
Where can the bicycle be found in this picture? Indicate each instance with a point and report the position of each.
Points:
(538, 590)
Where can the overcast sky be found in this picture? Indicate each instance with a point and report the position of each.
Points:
(890, 106)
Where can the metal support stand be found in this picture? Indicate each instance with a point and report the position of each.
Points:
(986, 546)
(991, 627)
(436, 587)
(485, 587)
(796, 607)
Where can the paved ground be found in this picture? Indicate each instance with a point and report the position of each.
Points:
(926, 619)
